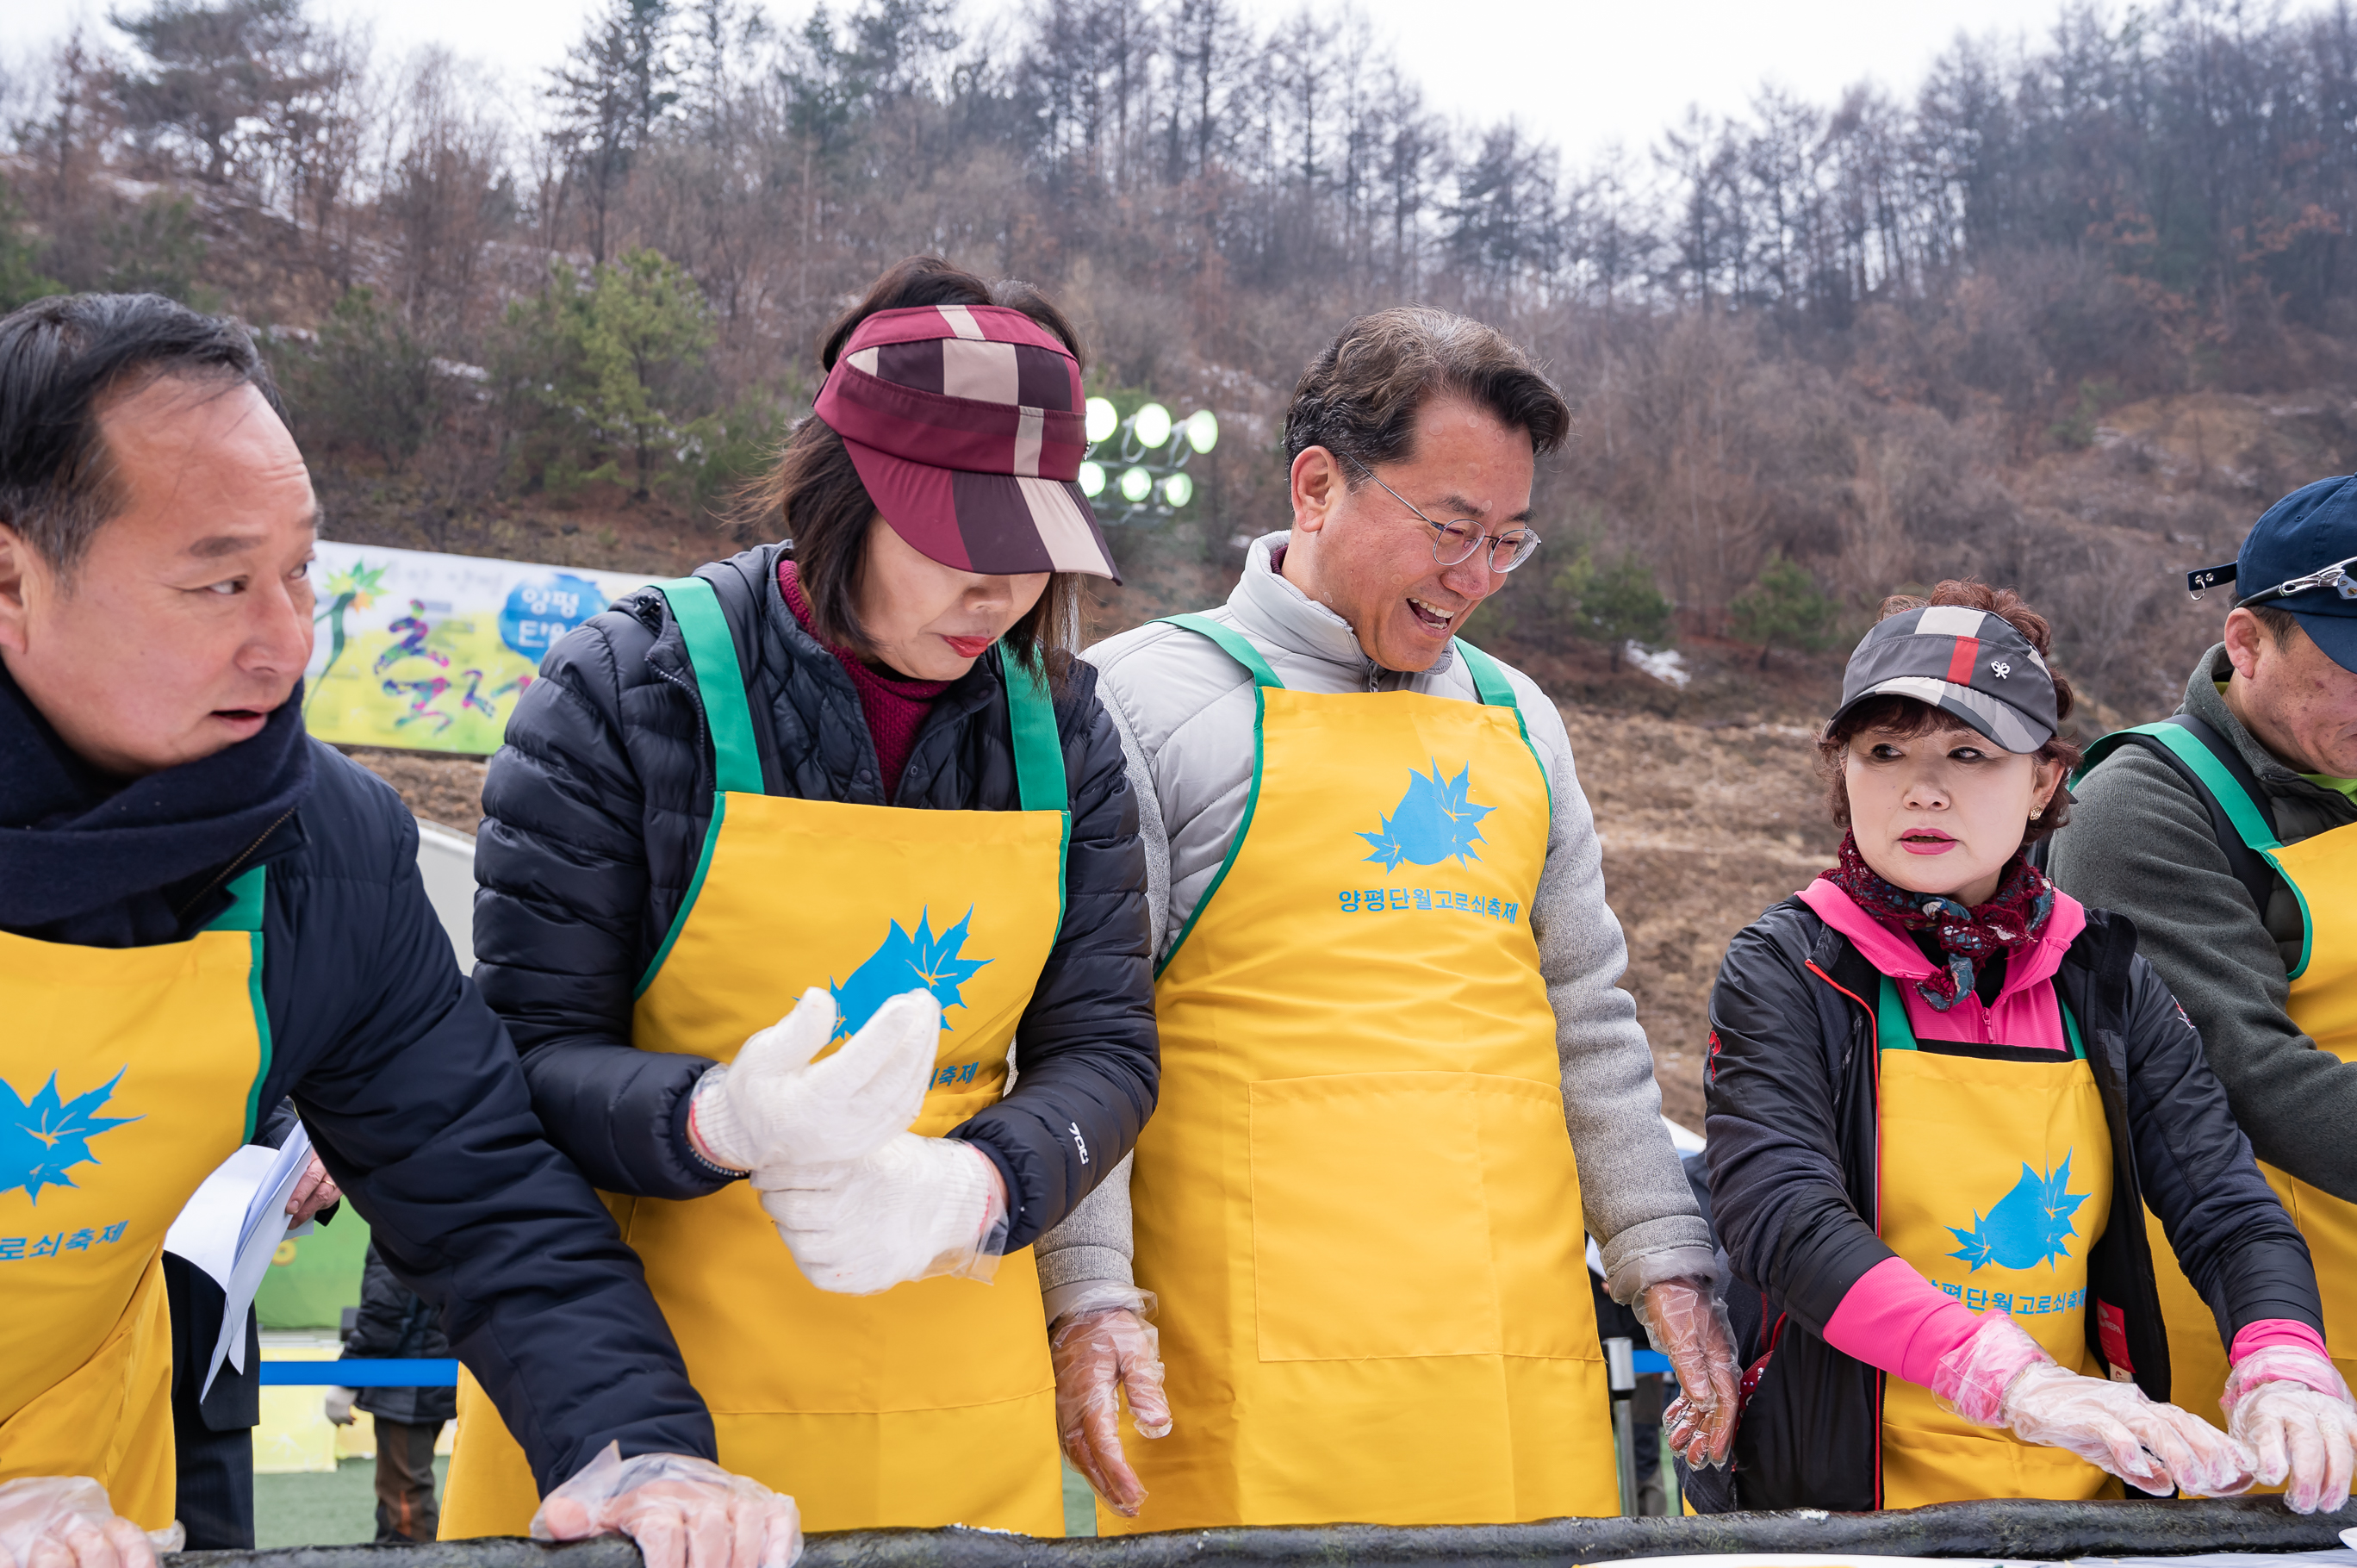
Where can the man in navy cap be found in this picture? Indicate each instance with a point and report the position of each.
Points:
(2228, 833)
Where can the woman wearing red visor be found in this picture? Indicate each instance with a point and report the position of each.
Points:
(817, 868)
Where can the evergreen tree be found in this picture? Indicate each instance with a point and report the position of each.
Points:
(1614, 603)
(21, 278)
(617, 85)
(1784, 607)
(614, 364)
(370, 384)
(216, 72)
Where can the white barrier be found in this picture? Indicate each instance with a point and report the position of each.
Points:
(445, 858)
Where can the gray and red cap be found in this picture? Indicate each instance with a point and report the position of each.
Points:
(1968, 663)
(966, 424)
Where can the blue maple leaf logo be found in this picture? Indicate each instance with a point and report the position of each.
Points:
(1435, 819)
(905, 962)
(2029, 1225)
(41, 1137)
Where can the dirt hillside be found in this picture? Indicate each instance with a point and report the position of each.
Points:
(1704, 826)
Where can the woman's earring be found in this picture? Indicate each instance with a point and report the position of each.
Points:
(2038, 813)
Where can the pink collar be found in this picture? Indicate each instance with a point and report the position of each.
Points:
(1894, 953)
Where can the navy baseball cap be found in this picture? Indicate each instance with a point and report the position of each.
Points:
(1968, 663)
(2302, 557)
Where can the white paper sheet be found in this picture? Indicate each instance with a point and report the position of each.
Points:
(232, 1227)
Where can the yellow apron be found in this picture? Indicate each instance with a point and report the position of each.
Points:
(129, 1075)
(933, 1403)
(2323, 872)
(1996, 1181)
(1357, 1199)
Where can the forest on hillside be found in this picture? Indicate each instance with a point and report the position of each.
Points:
(1820, 351)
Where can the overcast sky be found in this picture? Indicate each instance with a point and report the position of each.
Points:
(1582, 72)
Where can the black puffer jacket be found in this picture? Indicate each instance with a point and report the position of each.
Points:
(1794, 1155)
(410, 1090)
(395, 1323)
(594, 819)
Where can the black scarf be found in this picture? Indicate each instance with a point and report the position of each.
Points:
(87, 859)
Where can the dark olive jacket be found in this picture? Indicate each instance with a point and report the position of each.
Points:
(2141, 842)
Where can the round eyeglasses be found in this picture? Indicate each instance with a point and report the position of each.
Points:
(1456, 540)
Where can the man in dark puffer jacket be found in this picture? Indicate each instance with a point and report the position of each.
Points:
(608, 774)
(203, 912)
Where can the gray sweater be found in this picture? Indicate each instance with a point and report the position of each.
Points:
(2140, 842)
(1184, 711)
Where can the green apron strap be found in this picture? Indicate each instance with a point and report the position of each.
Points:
(1893, 1031)
(720, 680)
(1234, 646)
(1264, 681)
(1490, 684)
(1039, 781)
(247, 896)
(1038, 750)
(1489, 678)
(2253, 862)
(2241, 810)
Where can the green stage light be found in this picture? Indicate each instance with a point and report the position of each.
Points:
(1093, 480)
(1151, 425)
(1203, 430)
(1177, 490)
(1136, 484)
(1101, 421)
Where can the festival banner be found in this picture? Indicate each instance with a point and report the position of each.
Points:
(430, 652)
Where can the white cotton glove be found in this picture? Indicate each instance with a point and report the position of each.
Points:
(338, 1407)
(1102, 1347)
(2289, 1407)
(678, 1508)
(773, 1105)
(66, 1521)
(2002, 1378)
(1687, 1322)
(912, 1209)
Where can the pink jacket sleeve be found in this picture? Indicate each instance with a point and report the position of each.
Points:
(1896, 1319)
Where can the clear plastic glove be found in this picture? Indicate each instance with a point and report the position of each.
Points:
(337, 1406)
(2000, 1377)
(2289, 1407)
(913, 1209)
(66, 1521)
(678, 1508)
(774, 1105)
(1104, 1348)
(1687, 1322)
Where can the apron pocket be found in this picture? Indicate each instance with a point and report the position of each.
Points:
(1415, 1214)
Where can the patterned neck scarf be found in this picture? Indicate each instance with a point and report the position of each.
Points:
(2024, 900)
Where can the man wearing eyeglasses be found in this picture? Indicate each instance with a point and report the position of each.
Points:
(2228, 833)
(1401, 1086)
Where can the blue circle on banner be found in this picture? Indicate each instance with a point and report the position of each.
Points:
(540, 611)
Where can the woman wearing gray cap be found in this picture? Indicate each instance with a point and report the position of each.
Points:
(1941, 1094)
(786, 866)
